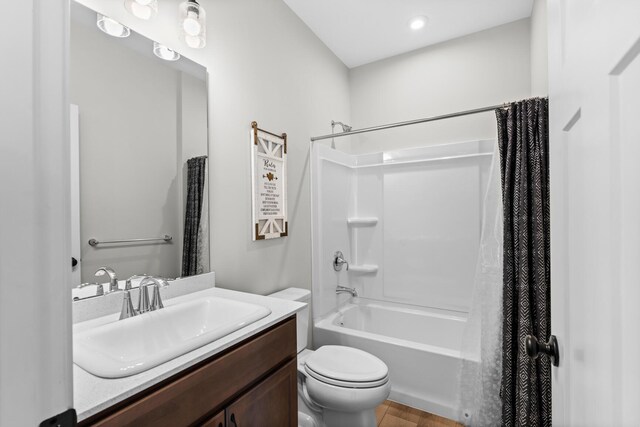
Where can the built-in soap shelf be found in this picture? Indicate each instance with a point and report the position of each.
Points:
(362, 221)
(363, 269)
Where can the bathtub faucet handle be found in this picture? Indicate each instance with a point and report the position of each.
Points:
(339, 261)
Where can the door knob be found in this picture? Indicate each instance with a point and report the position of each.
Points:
(534, 348)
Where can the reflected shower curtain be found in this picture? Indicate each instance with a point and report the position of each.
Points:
(195, 243)
(481, 352)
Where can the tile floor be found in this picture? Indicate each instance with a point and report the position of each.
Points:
(392, 414)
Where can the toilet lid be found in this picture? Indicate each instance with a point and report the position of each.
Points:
(346, 366)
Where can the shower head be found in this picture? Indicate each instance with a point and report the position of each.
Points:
(345, 128)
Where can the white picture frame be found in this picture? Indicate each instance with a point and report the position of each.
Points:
(268, 184)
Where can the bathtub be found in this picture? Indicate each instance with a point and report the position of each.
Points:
(420, 346)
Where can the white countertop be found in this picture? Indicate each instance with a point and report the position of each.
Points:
(93, 394)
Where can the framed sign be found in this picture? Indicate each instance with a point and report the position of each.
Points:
(269, 184)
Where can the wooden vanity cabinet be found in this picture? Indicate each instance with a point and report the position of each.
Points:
(218, 420)
(273, 402)
(251, 384)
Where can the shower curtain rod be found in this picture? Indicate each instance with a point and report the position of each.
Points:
(410, 122)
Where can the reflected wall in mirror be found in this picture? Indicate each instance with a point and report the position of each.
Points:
(139, 135)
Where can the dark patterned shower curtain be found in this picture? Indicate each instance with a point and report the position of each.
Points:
(524, 162)
(196, 173)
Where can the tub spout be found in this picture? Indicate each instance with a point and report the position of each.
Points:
(344, 289)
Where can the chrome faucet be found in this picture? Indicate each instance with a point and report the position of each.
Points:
(113, 280)
(127, 283)
(344, 289)
(127, 305)
(339, 261)
(156, 302)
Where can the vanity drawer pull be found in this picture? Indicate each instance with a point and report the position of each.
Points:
(233, 420)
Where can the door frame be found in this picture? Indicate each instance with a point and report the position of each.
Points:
(36, 363)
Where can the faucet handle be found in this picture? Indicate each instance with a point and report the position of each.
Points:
(127, 306)
(143, 296)
(339, 261)
(156, 301)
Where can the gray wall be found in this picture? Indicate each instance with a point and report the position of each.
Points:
(539, 50)
(265, 65)
(482, 69)
(133, 145)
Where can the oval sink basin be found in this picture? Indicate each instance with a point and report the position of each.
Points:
(134, 345)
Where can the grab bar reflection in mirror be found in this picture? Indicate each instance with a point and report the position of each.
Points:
(165, 239)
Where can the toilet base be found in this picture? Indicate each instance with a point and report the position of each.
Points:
(350, 419)
(307, 417)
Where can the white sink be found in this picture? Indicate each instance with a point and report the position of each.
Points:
(127, 347)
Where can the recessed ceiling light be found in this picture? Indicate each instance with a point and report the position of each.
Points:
(163, 52)
(112, 27)
(418, 23)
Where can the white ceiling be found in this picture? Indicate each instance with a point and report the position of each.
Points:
(363, 31)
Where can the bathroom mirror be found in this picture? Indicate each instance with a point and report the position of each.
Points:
(138, 150)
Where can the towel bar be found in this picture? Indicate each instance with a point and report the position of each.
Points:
(166, 238)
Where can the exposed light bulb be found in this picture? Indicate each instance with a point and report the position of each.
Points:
(418, 23)
(193, 24)
(112, 27)
(163, 52)
(194, 42)
(142, 9)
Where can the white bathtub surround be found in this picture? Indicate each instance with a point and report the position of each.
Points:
(420, 346)
(409, 222)
(93, 394)
(481, 368)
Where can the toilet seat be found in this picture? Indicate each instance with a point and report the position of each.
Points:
(346, 367)
(347, 384)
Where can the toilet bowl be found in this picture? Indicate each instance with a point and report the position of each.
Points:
(338, 386)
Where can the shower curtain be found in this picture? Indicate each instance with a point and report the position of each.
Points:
(481, 352)
(195, 244)
(524, 163)
(499, 383)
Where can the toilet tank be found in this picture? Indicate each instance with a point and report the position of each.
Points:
(302, 317)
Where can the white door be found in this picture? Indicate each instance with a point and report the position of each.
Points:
(594, 91)
(74, 138)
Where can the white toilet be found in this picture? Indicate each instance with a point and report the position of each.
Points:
(338, 386)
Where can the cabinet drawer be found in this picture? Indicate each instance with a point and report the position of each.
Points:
(185, 399)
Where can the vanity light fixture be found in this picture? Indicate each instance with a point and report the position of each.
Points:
(112, 27)
(163, 52)
(418, 23)
(143, 9)
(193, 19)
